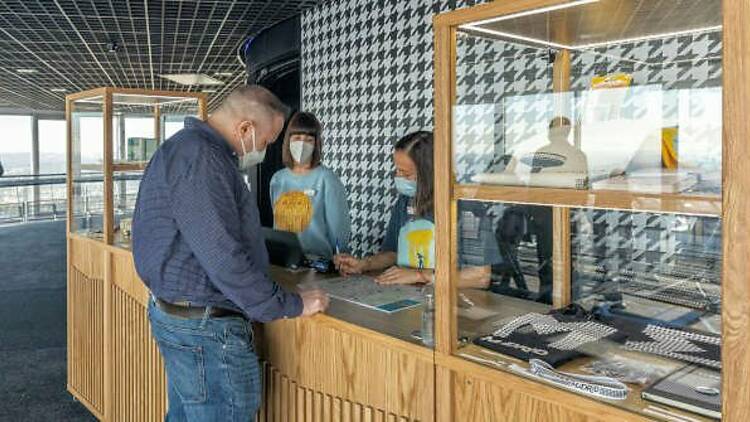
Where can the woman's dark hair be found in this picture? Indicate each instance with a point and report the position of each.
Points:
(302, 123)
(418, 146)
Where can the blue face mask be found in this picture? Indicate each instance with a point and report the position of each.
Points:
(406, 187)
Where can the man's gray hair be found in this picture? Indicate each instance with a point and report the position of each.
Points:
(248, 101)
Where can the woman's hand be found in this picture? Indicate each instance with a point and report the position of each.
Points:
(398, 275)
(348, 265)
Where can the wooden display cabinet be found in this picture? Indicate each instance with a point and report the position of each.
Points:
(114, 367)
(561, 45)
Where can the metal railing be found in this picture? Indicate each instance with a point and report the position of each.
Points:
(30, 198)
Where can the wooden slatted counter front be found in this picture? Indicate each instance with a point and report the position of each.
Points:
(314, 369)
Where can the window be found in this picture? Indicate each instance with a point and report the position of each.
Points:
(52, 147)
(15, 145)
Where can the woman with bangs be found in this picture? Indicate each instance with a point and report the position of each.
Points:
(308, 198)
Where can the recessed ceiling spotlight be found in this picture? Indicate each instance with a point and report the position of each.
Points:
(26, 70)
(59, 89)
(112, 47)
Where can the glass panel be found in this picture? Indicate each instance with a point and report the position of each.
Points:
(125, 193)
(139, 138)
(136, 120)
(644, 301)
(138, 117)
(620, 99)
(505, 263)
(173, 117)
(662, 261)
(87, 157)
(561, 99)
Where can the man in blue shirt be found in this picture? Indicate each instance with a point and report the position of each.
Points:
(198, 246)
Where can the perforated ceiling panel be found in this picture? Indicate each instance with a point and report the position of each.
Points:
(53, 48)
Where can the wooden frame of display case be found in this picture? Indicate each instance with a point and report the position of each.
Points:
(469, 391)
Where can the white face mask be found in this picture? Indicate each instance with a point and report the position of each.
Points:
(301, 151)
(250, 159)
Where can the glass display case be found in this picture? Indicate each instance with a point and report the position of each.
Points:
(113, 133)
(585, 239)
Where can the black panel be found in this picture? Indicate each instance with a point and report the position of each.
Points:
(273, 61)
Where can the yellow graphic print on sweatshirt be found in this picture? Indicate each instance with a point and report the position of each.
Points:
(416, 244)
(293, 212)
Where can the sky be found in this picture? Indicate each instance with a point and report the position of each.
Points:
(15, 141)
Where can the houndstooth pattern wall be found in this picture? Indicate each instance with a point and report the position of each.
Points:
(367, 73)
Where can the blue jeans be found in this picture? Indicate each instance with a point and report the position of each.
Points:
(212, 370)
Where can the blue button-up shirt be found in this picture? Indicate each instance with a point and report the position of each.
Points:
(196, 230)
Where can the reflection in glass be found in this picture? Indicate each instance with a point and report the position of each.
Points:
(665, 268)
(641, 123)
(512, 244)
(556, 163)
(644, 302)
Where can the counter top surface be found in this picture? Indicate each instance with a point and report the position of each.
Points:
(399, 325)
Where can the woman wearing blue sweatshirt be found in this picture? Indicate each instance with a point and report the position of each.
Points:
(309, 199)
(407, 255)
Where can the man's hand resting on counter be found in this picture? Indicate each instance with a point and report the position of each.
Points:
(314, 301)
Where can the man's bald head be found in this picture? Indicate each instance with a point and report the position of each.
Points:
(250, 102)
(249, 113)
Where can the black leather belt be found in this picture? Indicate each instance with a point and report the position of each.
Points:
(187, 311)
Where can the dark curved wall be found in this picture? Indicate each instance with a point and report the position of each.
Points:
(272, 59)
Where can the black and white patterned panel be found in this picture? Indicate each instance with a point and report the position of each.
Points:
(367, 73)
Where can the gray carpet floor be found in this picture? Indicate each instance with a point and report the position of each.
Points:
(32, 325)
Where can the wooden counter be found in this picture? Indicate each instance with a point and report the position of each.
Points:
(350, 364)
(333, 367)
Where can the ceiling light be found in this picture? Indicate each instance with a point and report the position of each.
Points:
(516, 37)
(652, 37)
(59, 89)
(209, 91)
(471, 27)
(112, 47)
(26, 70)
(535, 11)
(223, 74)
(192, 79)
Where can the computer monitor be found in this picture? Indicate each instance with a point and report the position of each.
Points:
(284, 248)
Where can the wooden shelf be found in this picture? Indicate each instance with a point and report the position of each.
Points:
(99, 168)
(117, 166)
(709, 205)
(130, 166)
